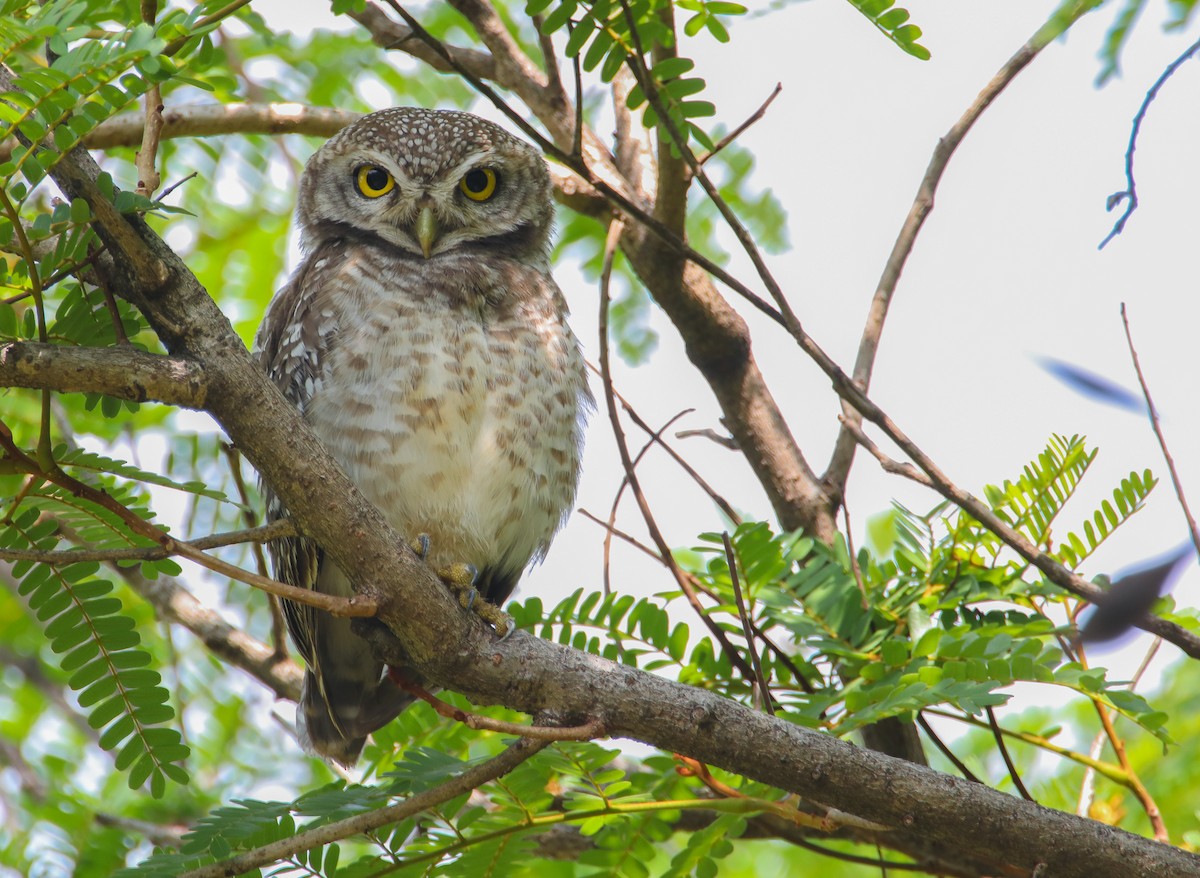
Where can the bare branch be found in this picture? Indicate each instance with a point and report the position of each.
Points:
(1008, 763)
(122, 372)
(1129, 193)
(469, 779)
(267, 532)
(144, 160)
(664, 550)
(741, 129)
(842, 457)
(760, 679)
(1162, 441)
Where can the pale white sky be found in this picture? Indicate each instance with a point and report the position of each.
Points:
(1006, 269)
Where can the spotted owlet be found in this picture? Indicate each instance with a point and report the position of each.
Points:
(427, 345)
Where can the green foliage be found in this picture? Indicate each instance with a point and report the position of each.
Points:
(607, 35)
(99, 648)
(1179, 14)
(90, 80)
(86, 625)
(893, 22)
(625, 815)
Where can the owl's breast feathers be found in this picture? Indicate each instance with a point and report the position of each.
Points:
(450, 389)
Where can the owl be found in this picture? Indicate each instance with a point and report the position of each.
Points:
(425, 342)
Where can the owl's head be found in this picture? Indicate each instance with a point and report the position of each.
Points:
(428, 182)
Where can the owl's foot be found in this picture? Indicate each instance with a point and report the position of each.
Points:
(461, 578)
(420, 546)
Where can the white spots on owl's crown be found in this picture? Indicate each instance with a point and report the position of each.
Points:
(426, 143)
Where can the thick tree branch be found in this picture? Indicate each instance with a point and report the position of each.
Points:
(122, 372)
(526, 673)
(389, 34)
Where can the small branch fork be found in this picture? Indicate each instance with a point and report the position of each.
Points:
(842, 457)
(1129, 193)
(664, 550)
(356, 605)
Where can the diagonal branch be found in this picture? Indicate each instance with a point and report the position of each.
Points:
(469, 779)
(842, 458)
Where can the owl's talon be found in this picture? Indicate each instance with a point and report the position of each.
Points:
(460, 578)
(420, 546)
(511, 626)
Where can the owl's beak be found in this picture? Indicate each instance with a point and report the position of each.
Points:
(427, 230)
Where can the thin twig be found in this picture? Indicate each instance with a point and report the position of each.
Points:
(889, 465)
(144, 159)
(946, 751)
(1134, 783)
(1012, 769)
(656, 437)
(262, 534)
(760, 679)
(1129, 194)
(1162, 442)
(471, 778)
(712, 436)
(356, 605)
(664, 550)
(110, 304)
(1110, 771)
(741, 129)
(612, 513)
(175, 186)
(854, 569)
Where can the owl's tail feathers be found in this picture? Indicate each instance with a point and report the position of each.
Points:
(334, 723)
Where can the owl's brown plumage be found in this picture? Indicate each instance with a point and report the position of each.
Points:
(426, 343)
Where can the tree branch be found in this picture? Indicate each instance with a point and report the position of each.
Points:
(208, 120)
(985, 824)
(475, 776)
(122, 372)
(838, 469)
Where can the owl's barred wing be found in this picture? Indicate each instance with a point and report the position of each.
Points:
(296, 332)
(291, 346)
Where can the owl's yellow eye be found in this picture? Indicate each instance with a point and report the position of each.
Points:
(374, 181)
(478, 184)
